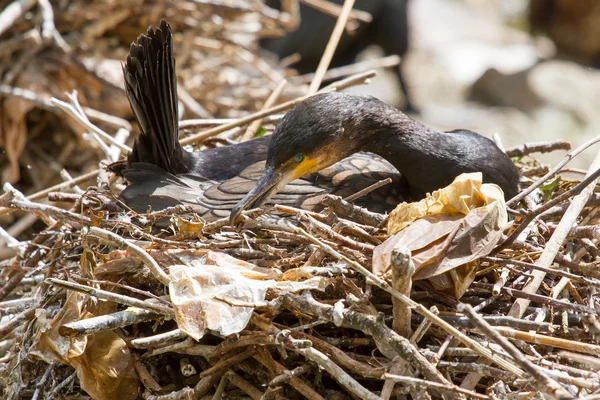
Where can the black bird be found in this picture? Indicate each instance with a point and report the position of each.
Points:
(327, 128)
(388, 29)
(317, 140)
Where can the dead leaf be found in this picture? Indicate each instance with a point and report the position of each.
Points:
(446, 231)
(102, 360)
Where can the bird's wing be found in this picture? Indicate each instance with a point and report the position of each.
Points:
(153, 187)
(343, 179)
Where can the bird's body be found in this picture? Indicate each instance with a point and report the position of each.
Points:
(330, 143)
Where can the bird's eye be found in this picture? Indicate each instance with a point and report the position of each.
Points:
(299, 157)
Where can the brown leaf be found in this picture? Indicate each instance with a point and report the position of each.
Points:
(446, 232)
(102, 360)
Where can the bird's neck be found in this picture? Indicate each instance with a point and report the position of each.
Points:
(404, 143)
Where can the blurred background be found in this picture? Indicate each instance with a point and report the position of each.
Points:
(522, 70)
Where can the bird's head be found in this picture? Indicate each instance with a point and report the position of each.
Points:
(313, 135)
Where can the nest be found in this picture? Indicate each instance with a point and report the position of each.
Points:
(162, 305)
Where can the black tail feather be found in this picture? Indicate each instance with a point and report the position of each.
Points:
(151, 87)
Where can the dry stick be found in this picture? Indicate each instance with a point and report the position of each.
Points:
(221, 389)
(203, 122)
(341, 376)
(307, 391)
(243, 384)
(536, 338)
(554, 271)
(287, 375)
(538, 298)
(360, 214)
(157, 340)
(538, 147)
(75, 111)
(542, 381)
(116, 240)
(327, 7)
(423, 384)
(402, 271)
(341, 358)
(45, 104)
(41, 384)
(590, 180)
(423, 327)
(388, 342)
(553, 171)
(111, 321)
(467, 341)
(253, 127)
(338, 30)
(180, 347)
(350, 81)
(13, 12)
(18, 320)
(346, 70)
(145, 377)
(110, 296)
(62, 385)
(58, 187)
(398, 366)
(368, 190)
(555, 242)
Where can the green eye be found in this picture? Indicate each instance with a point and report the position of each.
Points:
(299, 157)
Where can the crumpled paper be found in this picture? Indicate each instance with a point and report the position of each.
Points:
(446, 232)
(221, 297)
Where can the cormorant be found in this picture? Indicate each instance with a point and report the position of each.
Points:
(337, 143)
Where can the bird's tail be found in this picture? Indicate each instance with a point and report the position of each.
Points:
(151, 87)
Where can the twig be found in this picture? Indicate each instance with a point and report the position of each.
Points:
(252, 128)
(538, 147)
(355, 212)
(556, 240)
(589, 182)
(334, 10)
(62, 385)
(368, 190)
(420, 383)
(114, 297)
(157, 340)
(13, 12)
(402, 271)
(357, 79)
(339, 72)
(542, 381)
(338, 374)
(557, 168)
(509, 366)
(77, 113)
(111, 321)
(115, 240)
(243, 384)
(58, 187)
(338, 30)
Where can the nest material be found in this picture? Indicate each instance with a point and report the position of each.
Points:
(98, 301)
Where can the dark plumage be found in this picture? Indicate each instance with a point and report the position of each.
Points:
(322, 140)
(329, 127)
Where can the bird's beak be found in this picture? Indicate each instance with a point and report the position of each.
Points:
(267, 186)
